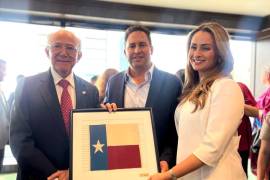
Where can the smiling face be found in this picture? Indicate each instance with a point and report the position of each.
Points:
(201, 54)
(64, 51)
(138, 50)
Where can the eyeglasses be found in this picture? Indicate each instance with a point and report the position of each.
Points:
(59, 46)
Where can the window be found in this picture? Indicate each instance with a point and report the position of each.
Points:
(243, 54)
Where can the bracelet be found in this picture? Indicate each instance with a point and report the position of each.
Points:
(173, 176)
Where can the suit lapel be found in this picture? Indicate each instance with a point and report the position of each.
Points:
(116, 90)
(155, 87)
(121, 92)
(81, 92)
(48, 92)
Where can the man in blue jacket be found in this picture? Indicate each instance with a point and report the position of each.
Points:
(143, 85)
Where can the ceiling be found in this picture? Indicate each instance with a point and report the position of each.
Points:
(241, 17)
(241, 7)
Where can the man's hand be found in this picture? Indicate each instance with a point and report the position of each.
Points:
(164, 166)
(109, 106)
(59, 175)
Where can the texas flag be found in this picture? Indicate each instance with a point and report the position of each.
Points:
(114, 146)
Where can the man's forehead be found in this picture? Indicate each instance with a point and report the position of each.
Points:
(138, 36)
(63, 37)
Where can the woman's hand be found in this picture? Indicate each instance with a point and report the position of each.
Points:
(161, 176)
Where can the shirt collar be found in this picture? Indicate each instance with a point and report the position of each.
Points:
(148, 74)
(57, 78)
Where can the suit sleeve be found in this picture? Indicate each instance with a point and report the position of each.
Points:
(169, 152)
(95, 98)
(22, 142)
(107, 91)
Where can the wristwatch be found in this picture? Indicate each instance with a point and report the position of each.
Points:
(173, 176)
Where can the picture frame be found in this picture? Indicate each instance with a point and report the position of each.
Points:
(113, 145)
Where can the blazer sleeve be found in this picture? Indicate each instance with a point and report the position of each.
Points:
(225, 112)
(94, 97)
(169, 152)
(107, 91)
(21, 137)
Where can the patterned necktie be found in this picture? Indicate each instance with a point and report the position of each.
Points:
(66, 103)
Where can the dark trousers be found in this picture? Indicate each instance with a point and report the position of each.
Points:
(2, 151)
(244, 156)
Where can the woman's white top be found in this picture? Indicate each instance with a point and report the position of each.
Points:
(211, 133)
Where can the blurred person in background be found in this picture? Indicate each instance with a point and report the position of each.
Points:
(93, 79)
(263, 102)
(181, 75)
(264, 153)
(4, 115)
(245, 130)
(11, 96)
(102, 80)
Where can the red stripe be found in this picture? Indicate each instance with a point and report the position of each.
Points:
(124, 157)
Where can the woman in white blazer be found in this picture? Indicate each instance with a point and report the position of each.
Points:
(210, 111)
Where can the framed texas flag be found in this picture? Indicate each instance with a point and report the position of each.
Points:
(116, 145)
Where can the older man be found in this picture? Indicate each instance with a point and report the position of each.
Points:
(143, 85)
(39, 131)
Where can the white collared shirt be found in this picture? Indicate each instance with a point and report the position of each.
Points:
(136, 94)
(59, 89)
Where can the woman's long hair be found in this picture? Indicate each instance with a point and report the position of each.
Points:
(196, 90)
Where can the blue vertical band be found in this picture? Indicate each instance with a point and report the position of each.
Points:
(99, 160)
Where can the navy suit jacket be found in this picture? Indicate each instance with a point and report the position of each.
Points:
(38, 138)
(162, 97)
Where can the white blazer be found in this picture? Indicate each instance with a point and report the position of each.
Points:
(211, 133)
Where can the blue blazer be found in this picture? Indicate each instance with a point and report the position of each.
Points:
(162, 97)
(38, 138)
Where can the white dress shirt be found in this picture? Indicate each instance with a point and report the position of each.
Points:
(136, 94)
(59, 89)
